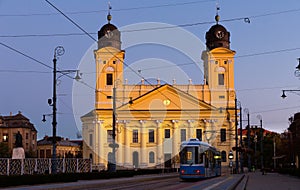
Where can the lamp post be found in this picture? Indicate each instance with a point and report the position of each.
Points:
(58, 51)
(246, 111)
(261, 144)
(230, 157)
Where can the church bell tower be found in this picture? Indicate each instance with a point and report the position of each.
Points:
(109, 64)
(219, 65)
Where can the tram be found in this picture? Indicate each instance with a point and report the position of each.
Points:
(199, 160)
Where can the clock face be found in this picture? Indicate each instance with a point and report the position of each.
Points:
(220, 34)
(108, 34)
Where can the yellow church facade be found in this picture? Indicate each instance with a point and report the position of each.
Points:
(151, 120)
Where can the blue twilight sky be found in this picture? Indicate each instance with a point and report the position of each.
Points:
(267, 51)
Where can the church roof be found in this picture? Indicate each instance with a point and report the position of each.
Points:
(17, 121)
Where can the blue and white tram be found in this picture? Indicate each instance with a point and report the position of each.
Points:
(199, 160)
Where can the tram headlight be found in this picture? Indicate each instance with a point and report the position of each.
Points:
(182, 171)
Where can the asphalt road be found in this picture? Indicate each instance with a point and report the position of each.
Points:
(147, 182)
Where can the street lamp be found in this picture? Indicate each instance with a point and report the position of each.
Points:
(230, 157)
(261, 143)
(58, 51)
(283, 92)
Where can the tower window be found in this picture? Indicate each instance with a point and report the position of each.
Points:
(109, 79)
(216, 62)
(104, 62)
(135, 136)
(199, 134)
(223, 135)
(114, 62)
(151, 135)
(109, 136)
(91, 140)
(225, 62)
(167, 133)
(221, 78)
(183, 134)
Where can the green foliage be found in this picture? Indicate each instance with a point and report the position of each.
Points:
(4, 151)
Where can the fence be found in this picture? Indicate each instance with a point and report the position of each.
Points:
(10, 166)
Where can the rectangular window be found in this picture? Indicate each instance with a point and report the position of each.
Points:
(223, 135)
(151, 135)
(109, 79)
(48, 153)
(109, 136)
(27, 135)
(42, 154)
(183, 134)
(221, 78)
(91, 140)
(135, 136)
(222, 97)
(167, 133)
(199, 134)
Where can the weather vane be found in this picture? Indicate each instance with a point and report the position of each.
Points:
(217, 17)
(109, 15)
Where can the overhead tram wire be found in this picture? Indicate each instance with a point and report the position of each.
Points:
(44, 64)
(118, 10)
(138, 74)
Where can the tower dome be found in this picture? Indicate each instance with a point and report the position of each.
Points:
(217, 36)
(109, 35)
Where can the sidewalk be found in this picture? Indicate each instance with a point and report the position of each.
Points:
(271, 181)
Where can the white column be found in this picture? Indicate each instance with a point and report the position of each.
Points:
(159, 147)
(144, 140)
(175, 141)
(120, 139)
(191, 130)
(127, 136)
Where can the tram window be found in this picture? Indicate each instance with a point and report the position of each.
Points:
(189, 155)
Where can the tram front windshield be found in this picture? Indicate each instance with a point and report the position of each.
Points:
(190, 155)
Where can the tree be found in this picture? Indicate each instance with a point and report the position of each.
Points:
(4, 151)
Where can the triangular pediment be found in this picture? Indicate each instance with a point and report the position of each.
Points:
(166, 97)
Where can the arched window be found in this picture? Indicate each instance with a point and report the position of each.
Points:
(151, 157)
(223, 156)
(135, 159)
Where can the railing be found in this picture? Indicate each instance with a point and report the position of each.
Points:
(10, 166)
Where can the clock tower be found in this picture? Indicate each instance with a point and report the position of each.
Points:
(109, 64)
(219, 65)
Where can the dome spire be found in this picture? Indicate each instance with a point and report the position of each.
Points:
(109, 15)
(217, 17)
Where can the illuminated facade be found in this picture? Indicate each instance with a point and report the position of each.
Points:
(152, 120)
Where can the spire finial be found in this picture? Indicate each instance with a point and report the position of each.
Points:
(109, 15)
(217, 17)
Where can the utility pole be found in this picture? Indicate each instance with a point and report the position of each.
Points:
(241, 140)
(113, 164)
(236, 138)
(248, 139)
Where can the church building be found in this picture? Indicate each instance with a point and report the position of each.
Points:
(151, 120)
